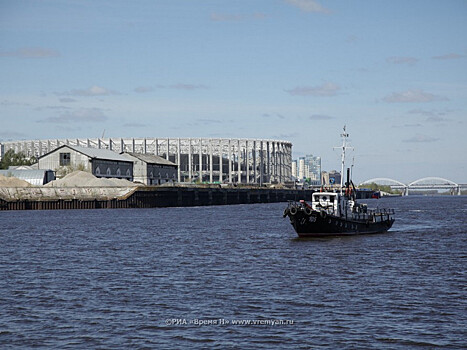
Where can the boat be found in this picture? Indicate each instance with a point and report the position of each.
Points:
(337, 213)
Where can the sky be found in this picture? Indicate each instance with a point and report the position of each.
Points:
(394, 72)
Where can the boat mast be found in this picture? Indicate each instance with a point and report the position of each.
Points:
(344, 136)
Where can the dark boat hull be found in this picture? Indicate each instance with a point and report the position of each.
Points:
(316, 225)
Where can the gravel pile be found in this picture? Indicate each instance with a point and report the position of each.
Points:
(13, 182)
(85, 179)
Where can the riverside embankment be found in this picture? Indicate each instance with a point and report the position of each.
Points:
(81, 190)
(36, 198)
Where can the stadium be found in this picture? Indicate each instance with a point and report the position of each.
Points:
(213, 160)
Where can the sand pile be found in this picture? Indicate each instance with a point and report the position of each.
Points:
(13, 182)
(85, 179)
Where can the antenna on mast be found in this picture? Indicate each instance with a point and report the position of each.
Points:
(343, 148)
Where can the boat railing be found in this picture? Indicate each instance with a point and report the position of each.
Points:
(373, 215)
(378, 214)
(383, 212)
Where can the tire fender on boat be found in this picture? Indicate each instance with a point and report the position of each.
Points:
(323, 214)
(307, 211)
(293, 210)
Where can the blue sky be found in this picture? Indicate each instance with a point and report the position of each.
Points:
(395, 72)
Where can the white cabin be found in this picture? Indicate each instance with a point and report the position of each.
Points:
(327, 201)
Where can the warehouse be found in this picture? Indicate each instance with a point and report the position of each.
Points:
(99, 162)
(213, 160)
(150, 169)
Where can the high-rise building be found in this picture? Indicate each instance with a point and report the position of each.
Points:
(331, 178)
(309, 168)
(301, 168)
(294, 168)
(314, 168)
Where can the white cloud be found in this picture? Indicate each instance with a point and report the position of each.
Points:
(181, 86)
(285, 136)
(92, 91)
(426, 112)
(222, 17)
(7, 103)
(135, 125)
(274, 115)
(433, 116)
(219, 17)
(308, 6)
(320, 117)
(421, 138)
(436, 119)
(66, 100)
(30, 52)
(208, 121)
(449, 56)
(143, 89)
(402, 60)
(9, 134)
(51, 107)
(411, 96)
(326, 89)
(351, 39)
(82, 115)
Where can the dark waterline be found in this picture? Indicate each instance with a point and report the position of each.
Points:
(132, 278)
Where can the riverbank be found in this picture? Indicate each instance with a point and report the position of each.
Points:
(49, 198)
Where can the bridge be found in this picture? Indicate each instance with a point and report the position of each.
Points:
(426, 183)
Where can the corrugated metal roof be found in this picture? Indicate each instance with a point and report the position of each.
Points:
(150, 158)
(34, 177)
(34, 166)
(96, 153)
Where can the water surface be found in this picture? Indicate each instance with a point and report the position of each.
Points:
(146, 278)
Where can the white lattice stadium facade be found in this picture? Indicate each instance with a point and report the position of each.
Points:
(254, 161)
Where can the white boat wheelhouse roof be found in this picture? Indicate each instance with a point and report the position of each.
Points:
(324, 195)
(324, 201)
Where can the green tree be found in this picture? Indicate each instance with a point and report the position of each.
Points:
(11, 158)
(375, 187)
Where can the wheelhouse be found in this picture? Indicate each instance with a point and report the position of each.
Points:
(327, 201)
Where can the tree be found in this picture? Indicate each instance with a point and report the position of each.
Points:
(375, 187)
(10, 158)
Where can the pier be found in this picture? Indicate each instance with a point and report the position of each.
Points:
(158, 197)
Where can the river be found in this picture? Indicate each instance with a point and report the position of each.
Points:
(232, 277)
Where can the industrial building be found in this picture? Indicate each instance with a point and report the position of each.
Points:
(99, 162)
(249, 161)
(150, 169)
(36, 177)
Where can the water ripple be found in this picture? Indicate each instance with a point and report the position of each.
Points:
(146, 278)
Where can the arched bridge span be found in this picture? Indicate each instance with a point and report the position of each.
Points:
(426, 183)
(434, 181)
